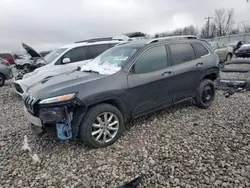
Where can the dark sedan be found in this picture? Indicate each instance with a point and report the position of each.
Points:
(243, 51)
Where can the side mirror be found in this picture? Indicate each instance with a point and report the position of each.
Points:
(65, 60)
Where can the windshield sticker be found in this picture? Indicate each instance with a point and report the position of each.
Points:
(120, 58)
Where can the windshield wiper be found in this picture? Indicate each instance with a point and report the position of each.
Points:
(91, 71)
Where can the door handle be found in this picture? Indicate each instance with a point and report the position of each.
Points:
(167, 72)
(199, 64)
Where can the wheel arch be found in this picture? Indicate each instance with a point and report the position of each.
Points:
(3, 75)
(211, 74)
(117, 102)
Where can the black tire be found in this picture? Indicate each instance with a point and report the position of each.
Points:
(229, 57)
(205, 94)
(85, 132)
(2, 80)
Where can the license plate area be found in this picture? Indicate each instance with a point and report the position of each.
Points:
(32, 119)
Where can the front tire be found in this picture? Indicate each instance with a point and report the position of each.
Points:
(2, 80)
(102, 125)
(205, 94)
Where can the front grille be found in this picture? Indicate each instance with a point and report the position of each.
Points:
(29, 102)
(18, 88)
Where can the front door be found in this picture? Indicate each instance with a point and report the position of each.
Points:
(149, 81)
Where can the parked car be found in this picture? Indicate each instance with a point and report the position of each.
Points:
(125, 82)
(61, 60)
(236, 45)
(224, 52)
(243, 51)
(35, 59)
(5, 71)
(10, 58)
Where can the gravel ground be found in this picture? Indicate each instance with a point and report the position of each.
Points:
(182, 146)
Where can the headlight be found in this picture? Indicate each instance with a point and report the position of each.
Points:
(61, 98)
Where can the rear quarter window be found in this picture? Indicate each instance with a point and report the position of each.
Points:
(200, 50)
(181, 53)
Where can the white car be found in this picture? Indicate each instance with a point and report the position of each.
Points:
(62, 60)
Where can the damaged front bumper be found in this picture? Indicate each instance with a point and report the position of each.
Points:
(65, 120)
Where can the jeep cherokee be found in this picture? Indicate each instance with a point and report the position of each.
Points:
(125, 82)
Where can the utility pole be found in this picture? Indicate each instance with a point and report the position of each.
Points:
(208, 24)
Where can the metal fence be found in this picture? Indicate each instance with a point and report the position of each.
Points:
(231, 38)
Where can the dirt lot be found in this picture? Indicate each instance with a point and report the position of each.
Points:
(181, 146)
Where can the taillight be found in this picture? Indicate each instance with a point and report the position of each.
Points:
(6, 63)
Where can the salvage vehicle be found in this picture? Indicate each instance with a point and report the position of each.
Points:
(234, 77)
(36, 59)
(5, 71)
(224, 52)
(125, 82)
(61, 60)
(243, 51)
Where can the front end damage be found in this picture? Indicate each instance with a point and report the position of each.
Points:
(63, 118)
(234, 76)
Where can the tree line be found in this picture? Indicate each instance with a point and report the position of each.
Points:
(220, 24)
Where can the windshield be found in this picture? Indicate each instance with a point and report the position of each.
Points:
(111, 61)
(53, 55)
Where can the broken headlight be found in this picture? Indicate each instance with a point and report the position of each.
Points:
(52, 115)
(61, 98)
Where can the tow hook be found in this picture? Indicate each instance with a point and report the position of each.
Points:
(64, 130)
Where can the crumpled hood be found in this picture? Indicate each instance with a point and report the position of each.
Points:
(62, 84)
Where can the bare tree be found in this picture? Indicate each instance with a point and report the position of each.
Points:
(246, 28)
(204, 31)
(223, 21)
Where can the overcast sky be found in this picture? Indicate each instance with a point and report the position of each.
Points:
(46, 24)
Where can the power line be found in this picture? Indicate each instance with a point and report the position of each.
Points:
(208, 24)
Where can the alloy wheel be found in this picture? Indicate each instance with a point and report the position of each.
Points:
(105, 127)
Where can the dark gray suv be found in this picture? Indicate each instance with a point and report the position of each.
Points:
(125, 82)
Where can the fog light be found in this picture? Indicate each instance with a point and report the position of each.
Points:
(52, 115)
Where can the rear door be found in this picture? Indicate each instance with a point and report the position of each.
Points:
(149, 81)
(217, 50)
(94, 50)
(187, 69)
(223, 51)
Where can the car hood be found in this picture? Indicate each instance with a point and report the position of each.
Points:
(62, 84)
(31, 51)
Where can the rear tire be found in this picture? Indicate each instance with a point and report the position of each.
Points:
(2, 80)
(94, 121)
(205, 94)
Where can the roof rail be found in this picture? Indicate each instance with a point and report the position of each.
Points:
(172, 38)
(96, 40)
(121, 43)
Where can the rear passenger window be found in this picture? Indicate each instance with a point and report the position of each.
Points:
(221, 45)
(152, 60)
(95, 50)
(200, 50)
(181, 53)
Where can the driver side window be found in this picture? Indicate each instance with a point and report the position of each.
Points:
(76, 54)
(152, 60)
